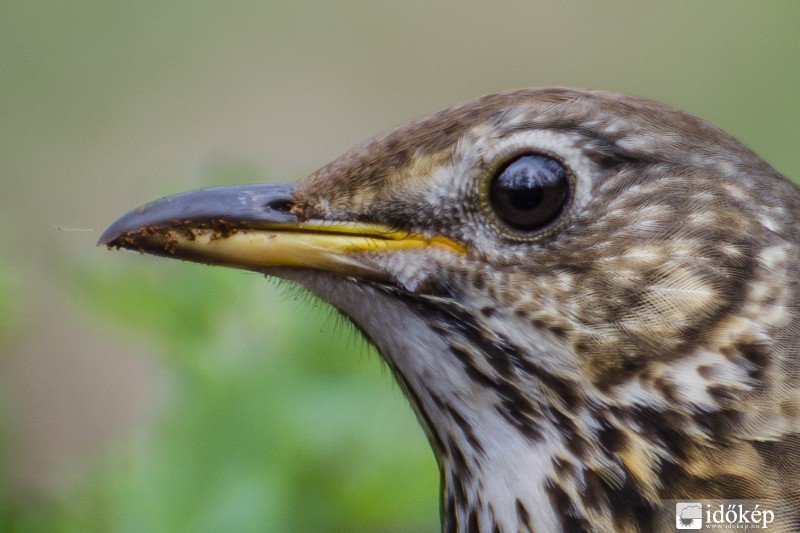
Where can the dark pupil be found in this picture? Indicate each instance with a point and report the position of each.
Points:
(530, 192)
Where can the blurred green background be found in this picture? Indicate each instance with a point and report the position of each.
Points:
(144, 395)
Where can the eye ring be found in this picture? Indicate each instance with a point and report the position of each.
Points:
(527, 194)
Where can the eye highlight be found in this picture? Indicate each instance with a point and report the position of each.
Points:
(529, 192)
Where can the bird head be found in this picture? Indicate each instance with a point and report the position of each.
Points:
(590, 299)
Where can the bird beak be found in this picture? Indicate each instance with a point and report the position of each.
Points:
(255, 227)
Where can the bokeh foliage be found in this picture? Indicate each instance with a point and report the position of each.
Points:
(7, 297)
(248, 441)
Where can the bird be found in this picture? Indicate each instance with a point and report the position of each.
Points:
(590, 300)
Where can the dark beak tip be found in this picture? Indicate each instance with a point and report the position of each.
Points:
(125, 226)
(248, 205)
(109, 236)
(108, 239)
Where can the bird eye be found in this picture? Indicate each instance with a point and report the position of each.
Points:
(529, 192)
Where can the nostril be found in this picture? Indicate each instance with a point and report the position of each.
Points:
(282, 205)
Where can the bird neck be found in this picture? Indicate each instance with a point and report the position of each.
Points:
(517, 439)
(501, 448)
(504, 484)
